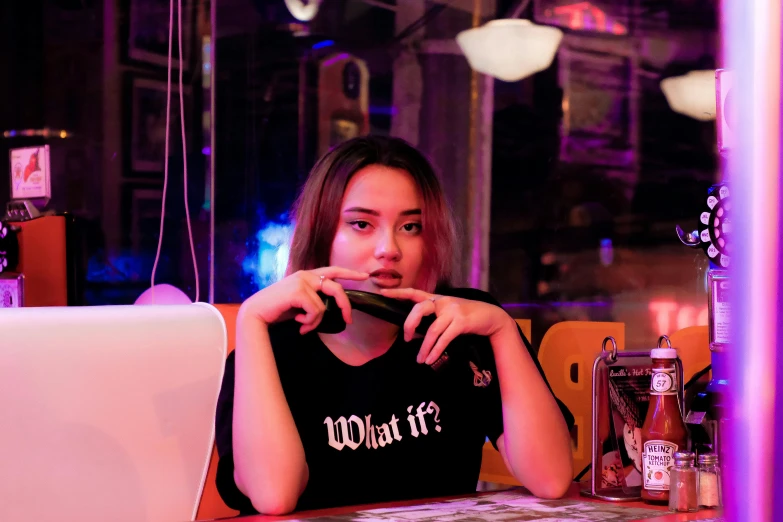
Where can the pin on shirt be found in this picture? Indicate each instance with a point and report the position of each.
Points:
(481, 379)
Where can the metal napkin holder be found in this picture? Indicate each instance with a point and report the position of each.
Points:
(621, 384)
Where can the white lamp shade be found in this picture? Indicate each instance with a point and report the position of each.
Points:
(692, 94)
(510, 49)
(302, 10)
(163, 294)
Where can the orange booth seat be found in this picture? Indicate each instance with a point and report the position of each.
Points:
(693, 348)
(567, 353)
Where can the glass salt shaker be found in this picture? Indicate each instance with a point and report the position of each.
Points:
(709, 481)
(683, 483)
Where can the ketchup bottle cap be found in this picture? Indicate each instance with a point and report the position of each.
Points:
(663, 353)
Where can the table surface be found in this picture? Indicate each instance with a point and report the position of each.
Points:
(340, 513)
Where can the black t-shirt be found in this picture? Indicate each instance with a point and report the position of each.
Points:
(388, 430)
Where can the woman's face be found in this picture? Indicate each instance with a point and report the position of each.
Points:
(379, 231)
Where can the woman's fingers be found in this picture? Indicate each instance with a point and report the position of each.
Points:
(324, 282)
(307, 299)
(413, 320)
(434, 332)
(411, 294)
(336, 290)
(425, 305)
(336, 272)
(448, 335)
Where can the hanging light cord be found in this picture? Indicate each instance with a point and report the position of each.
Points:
(166, 149)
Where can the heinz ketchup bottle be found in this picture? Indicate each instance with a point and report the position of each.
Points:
(664, 431)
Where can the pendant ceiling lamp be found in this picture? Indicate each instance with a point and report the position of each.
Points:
(303, 10)
(692, 94)
(510, 49)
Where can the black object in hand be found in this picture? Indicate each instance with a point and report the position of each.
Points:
(390, 310)
(393, 311)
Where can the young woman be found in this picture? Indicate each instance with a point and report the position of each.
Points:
(309, 420)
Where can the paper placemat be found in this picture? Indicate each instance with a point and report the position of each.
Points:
(505, 506)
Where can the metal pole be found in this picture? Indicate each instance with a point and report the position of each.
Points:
(212, 151)
(473, 213)
(753, 52)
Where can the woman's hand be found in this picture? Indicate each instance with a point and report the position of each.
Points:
(455, 317)
(296, 296)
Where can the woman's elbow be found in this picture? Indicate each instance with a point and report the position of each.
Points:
(279, 498)
(551, 489)
(274, 504)
(556, 484)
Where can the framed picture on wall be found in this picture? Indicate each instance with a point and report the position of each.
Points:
(148, 32)
(140, 203)
(600, 109)
(145, 217)
(30, 173)
(148, 124)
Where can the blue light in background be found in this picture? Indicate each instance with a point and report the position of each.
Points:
(267, 263)
(123, 267)
(382, 110)
(321, 45)
(606, 252)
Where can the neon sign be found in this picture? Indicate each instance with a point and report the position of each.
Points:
(584, 16)
(669, 316)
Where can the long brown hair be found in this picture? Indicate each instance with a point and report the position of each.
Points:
(317, 209)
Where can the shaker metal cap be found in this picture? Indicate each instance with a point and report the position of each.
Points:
(708, 459)
(684, 457)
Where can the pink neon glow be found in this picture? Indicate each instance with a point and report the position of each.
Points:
(336, 58)
(670, 316)
(578, 14)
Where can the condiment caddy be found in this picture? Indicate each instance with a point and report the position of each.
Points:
(620, 389)
(640, 446)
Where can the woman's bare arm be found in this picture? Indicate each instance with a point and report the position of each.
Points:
(269, 460)
(535, 445)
